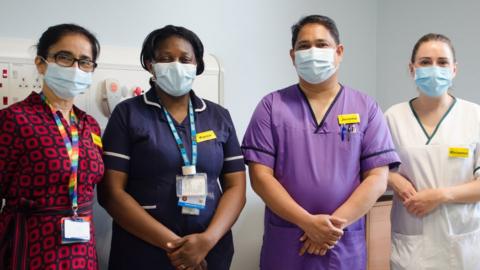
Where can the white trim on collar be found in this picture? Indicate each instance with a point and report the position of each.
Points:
(149, 102)
(204, 106)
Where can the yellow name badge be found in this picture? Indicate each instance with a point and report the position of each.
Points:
(97, 140)
(346, 119)
(206, 136)
(458, 152)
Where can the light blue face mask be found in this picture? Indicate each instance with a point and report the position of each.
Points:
(433, 81)
(175, 78)
(315, 65)
(67, 82)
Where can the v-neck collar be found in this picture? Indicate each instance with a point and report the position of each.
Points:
(318, 126)
(35, 99)
(151, 98)
(430, 137)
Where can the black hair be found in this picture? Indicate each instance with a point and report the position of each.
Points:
(318, 19)
(152, 41)
(54, 33)
(432, 37)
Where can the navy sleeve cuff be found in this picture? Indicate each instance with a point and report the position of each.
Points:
(233, 164)
(116, 161)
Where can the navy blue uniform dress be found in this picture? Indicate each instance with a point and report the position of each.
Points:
(139, 142)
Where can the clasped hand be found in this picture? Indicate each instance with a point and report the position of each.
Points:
(424, 202)
(322, 233)
(189, 252)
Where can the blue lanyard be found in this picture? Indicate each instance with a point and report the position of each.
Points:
(193, 133)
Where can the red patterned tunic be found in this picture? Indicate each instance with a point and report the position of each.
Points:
(34, 175)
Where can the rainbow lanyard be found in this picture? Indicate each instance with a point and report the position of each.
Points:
(72, 149)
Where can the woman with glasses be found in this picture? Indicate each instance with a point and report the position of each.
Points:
(436, 208)
(50, 161)
(175, 176)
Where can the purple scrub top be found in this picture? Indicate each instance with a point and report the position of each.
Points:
(317, 168)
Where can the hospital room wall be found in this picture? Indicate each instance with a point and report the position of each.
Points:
(402, 23)
(250, 37)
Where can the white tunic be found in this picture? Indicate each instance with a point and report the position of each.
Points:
(448, 237)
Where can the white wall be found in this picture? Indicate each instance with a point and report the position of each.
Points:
(402, 23)
(251, 38)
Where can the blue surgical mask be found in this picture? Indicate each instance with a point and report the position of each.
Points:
(174, 78)
(315, 65)
(67, 82)
(433, 81)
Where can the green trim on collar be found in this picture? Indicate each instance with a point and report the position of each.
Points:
(430, 137)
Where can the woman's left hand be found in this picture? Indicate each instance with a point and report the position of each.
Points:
(189, 251)
(424, 201)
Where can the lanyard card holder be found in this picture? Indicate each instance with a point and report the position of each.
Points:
(75, 230)
(192, 192)
(197, 202)
(192, 185)
(190, 211)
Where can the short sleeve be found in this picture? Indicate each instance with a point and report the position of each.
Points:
(258, 144)
(377, 146)
(233, 158)
(11, 148)
(116, 141)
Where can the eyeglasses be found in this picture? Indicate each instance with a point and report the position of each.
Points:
(67, 60)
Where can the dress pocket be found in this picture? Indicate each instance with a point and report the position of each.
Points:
(458, 168)
(280, 249)
(152, 193)
(406, 253)
(464, 251)
(350, 252)
(157, 198)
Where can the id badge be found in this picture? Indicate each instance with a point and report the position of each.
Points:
(190, 211)
(192, 185)
(197, 202)
(75, 230)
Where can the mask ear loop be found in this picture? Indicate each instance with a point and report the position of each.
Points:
(42, 76)
(412, 70)
(153, 78)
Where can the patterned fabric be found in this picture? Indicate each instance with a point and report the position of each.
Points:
(34, 174)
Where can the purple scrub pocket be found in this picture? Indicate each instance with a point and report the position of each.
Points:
(350, 252)
(280, 249)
